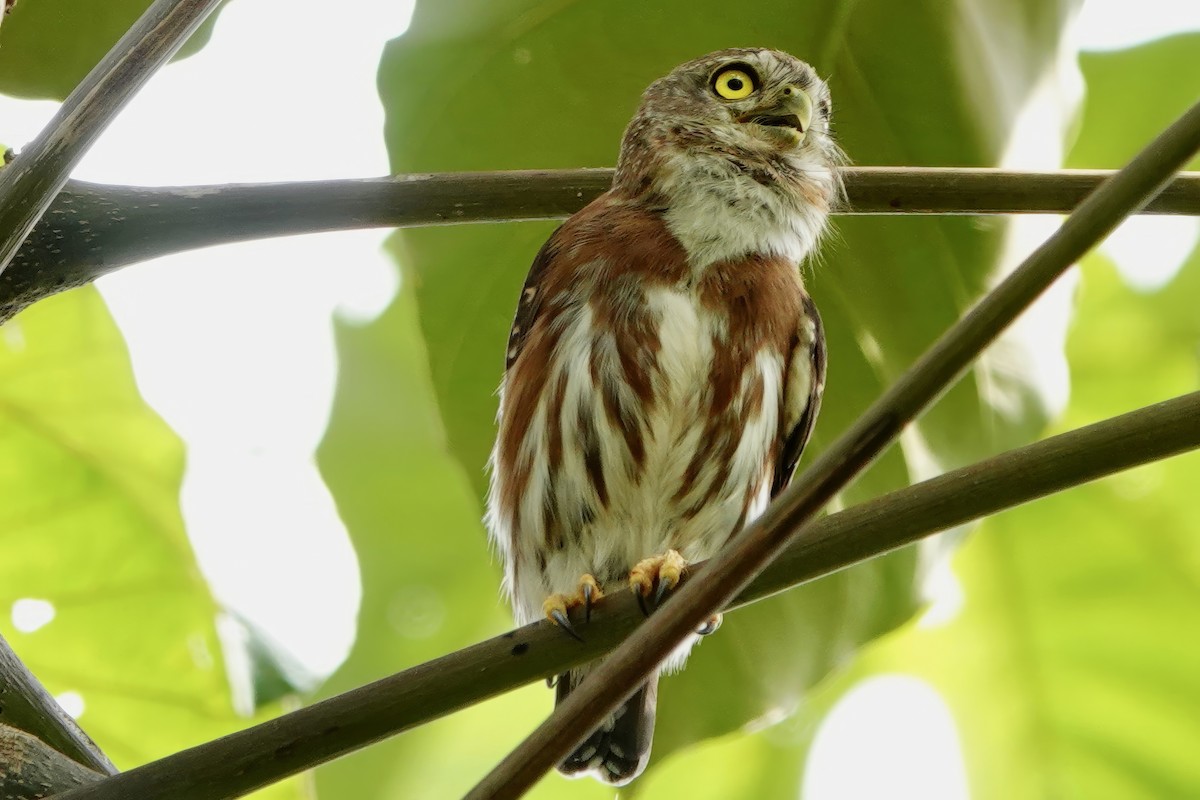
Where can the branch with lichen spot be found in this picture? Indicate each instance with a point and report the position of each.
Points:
(31, 769)
(26, 705)
(91, 230)
(42, 750)
(271, 751)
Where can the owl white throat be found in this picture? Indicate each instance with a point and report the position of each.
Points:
(719, 211)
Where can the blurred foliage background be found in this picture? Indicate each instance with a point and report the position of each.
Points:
(1065, 646)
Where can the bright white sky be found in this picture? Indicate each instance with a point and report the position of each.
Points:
(233, 345)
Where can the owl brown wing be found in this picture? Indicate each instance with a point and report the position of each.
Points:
(530, 302)
(803, 386)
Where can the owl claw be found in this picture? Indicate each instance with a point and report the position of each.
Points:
(657, 575)
(557, 607)
(661, 592)
(560, 618)
(589, 593)
(710, 625)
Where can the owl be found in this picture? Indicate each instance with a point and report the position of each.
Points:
(665, 367)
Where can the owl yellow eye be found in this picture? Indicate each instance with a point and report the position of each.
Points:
(734, 84)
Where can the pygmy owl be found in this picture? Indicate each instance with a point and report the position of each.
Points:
(666, 365)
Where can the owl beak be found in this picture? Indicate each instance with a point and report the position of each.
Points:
(792, 109)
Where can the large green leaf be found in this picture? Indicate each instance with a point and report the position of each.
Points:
(531, 83)
(1073, 669)
(1132, 95)
(48, 46)
(92, 538)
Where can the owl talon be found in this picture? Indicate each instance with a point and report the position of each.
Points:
(710, 625)
(560, 619)
(657, 575)
(589, 592)
(661, 592)
(557, 607)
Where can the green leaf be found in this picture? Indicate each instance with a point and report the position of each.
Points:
(529, 83)
(90, 525)
(1073, 669)
(48, 46)
(1132, 95)
(272, 673)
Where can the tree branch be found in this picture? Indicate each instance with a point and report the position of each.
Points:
(250, 759)
(25, 704)
(30, 769)
(91, 230)
(30, 183)
(749, 551)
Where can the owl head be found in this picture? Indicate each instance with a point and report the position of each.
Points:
(752, 105)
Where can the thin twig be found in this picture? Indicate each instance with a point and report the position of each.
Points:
(25, 704)
(29, 183)
(271, 751)
(92, 230)
(753, 549)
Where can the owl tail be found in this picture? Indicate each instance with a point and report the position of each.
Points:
(618, 750)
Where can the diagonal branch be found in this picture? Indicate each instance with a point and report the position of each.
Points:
(26, 705)
(91, 230)
(247, 760)
(753, 549)
(31, 181)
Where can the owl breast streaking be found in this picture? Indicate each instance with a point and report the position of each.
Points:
(666, 365)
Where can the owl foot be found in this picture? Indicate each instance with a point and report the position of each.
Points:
(656, 575)
(557, 607)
